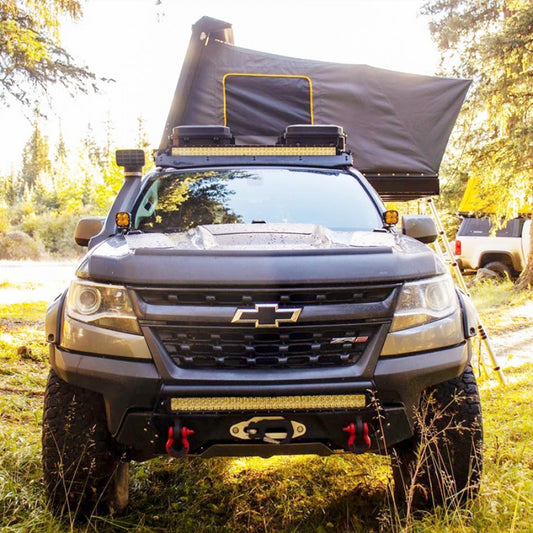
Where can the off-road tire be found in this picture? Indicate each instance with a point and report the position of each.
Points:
(83, 473)
(501, 269)
(442, 464)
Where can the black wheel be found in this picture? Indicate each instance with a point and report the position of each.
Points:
(501, 269)
(83, 473)
(443, 462)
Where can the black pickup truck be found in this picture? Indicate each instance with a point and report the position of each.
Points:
(257, 300)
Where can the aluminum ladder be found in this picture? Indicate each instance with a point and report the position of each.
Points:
(444, 250)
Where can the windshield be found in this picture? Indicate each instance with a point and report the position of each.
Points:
(179, 201)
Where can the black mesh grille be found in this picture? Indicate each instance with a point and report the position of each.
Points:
(290, 296)
(248, 347)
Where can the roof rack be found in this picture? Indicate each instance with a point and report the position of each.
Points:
(300, 144)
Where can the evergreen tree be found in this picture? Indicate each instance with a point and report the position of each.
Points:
(61, 150)
(10, 188)
(31, 55)
(144, 144)
(35, 156)
(93, 151)
(109, 142)
(491, 42)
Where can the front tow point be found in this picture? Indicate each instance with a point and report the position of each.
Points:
(178, 441)
(358, 437)
(269, 429)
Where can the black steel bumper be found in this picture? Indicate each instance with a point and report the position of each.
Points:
(138, 403)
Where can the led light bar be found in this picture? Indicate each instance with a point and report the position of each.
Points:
(235, 151)
(269, 403)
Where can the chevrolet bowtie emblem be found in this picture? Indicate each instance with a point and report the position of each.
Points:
(266, 315)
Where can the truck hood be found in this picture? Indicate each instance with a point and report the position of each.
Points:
(252, 254)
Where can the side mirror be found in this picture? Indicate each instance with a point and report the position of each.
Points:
(419, 227)
(86, 228)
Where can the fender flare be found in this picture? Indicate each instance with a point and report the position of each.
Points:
(469, 313)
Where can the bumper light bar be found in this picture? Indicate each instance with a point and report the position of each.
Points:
(269, 403)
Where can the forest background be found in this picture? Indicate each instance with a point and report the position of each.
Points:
(56, 183)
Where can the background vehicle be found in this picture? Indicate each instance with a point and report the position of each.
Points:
(505, 252)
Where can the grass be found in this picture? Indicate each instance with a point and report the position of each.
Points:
(21, 286)
(501, 306)
(300, 494)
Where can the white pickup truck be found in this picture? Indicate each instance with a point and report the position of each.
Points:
(504, 252)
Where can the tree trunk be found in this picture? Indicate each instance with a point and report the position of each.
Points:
(525, 281)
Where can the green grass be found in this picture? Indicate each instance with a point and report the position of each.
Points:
(20, 286)
(24, 312)
(500, 305)
(287, 494)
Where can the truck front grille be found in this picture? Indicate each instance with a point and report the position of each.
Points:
(246, 347)
(282, 296)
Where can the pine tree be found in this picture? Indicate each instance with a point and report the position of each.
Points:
(144, 144)
(35, 156)
(93, 151)
(491, 42)
(31, 55)
(61, 150)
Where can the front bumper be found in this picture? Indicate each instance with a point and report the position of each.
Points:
(139, 413)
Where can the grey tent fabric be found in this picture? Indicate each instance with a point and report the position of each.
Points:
(396, 123)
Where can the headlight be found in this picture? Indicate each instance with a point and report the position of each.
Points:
(427, 318)
(424, 301)
(106, 306)
(433, 336)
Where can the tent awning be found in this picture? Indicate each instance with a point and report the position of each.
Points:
(397, 124)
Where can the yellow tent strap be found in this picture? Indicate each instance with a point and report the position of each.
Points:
(264, 75)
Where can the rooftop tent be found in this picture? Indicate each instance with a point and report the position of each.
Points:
(397, 124)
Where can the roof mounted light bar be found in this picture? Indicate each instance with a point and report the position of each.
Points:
(252, 151)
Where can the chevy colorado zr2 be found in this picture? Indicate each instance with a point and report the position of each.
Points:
(257, 301)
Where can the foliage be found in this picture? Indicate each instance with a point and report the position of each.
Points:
(55, 231)
(19, 245)
(492, 43)
(35, 155)
(4, 217)
(31, 55)
(57, 185)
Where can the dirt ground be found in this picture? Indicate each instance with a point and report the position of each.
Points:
(513, 343)
(29, 281)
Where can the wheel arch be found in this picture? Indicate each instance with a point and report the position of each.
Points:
(492, 256)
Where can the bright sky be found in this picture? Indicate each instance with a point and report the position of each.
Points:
(141, 45)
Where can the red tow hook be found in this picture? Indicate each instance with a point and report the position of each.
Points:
(358, 437)
(178, 441)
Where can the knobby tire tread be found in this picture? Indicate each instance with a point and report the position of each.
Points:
(78, 452)
(452, 438)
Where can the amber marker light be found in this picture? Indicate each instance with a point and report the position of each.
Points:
(123, 220)
(391, 217)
